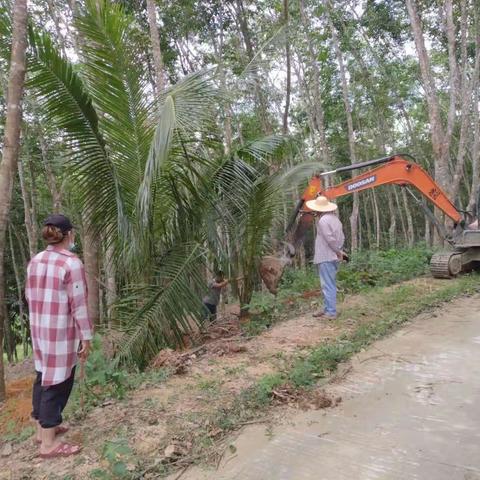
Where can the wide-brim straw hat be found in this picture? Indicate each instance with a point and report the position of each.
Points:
(321, 204)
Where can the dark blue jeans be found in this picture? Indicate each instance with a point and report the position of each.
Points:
(210, 311)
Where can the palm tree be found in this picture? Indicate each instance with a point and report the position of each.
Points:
(157, 186)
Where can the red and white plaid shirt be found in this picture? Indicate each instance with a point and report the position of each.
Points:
(57, 299)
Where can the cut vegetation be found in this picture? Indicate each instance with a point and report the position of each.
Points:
(154, 423)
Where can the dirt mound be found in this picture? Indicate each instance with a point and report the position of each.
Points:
(215, 339)
(226, 348)
(19, 370)
(173, 360)
(224, 327)
(15, 412)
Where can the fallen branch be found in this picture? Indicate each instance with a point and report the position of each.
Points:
(253, 422)
(180, 475)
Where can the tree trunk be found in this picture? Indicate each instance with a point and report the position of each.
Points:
(30, 227)
(305, 94)
(378, 228)
(453, 68)
(156, 49)
(392, 229)
(110, 281)
(440, 137)
(351, 135)
(55, 191)
(428, 232)
(475, 154)
(368, 225)
(56, 22)
(91, 259)
(218, 44)
(262, 108)
(400, 213)
(227, 109)
(8, 165)
(408, 214)
(288, 67)
(469, 90)
(319, 113)
(19, 282)
(33, 200)
(440, 142)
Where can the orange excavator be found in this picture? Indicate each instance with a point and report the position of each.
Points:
(402, 170)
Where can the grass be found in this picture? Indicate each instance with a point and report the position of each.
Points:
(19, 357)
(365, 271)
(104, 380)
(388, 310)
(14, 436)
(210, 386)
(384, 310)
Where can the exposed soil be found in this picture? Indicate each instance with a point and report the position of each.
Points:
(208, 378)
(409, 411)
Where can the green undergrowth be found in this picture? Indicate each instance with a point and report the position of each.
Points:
(366, 270)
(381, 311)
(106, 381)
(387, 310)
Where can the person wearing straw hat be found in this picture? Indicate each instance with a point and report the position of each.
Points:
(328, 252)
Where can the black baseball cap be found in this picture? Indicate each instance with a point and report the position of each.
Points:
(60, 221)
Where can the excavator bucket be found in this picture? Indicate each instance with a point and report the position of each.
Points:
(271, 267)
(271, 271)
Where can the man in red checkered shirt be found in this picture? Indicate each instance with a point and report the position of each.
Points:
(61, 330)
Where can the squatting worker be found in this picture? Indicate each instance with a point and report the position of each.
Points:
(328, 252)
(61, 330)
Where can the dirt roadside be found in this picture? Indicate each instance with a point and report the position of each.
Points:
(155, 416)
(409, 410)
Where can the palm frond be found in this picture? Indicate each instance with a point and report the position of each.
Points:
(67, 105)
(5, 29)
(261, 149)
(185, 112)
(298, 174)
(160, 314)
(119, 89)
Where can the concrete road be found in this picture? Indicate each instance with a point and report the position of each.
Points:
(410, 410)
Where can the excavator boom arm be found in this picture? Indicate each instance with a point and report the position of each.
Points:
(397, 171)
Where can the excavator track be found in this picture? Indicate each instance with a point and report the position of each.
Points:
(446, 264)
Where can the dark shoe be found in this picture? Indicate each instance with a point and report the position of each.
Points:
(324, 315)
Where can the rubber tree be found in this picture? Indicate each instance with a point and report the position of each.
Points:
(11, 143)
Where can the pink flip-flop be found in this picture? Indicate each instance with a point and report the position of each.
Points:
(62, 450)
(60, 430)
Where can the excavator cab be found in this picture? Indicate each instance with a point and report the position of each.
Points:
(464, 254)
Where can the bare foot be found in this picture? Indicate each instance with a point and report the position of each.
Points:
(60, 430)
